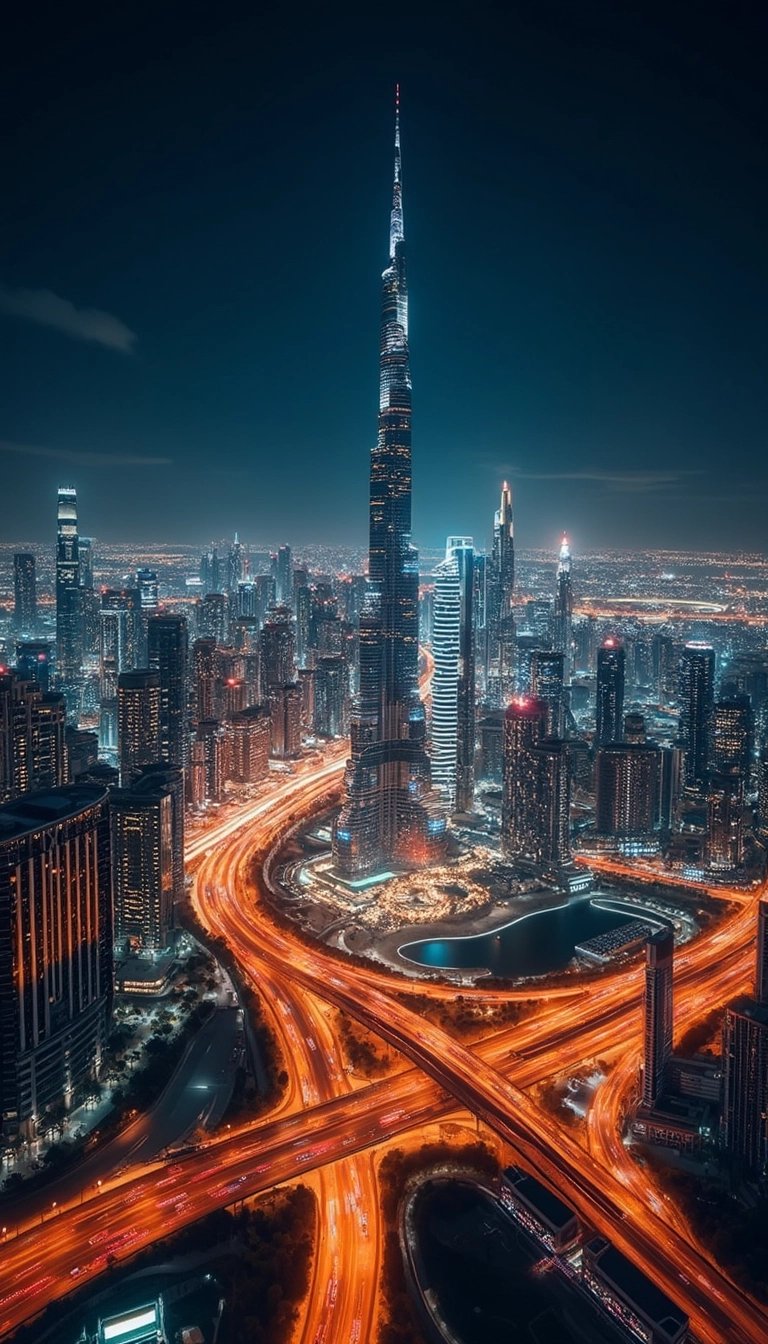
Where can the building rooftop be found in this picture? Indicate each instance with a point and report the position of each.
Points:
(540, 1197)
(636, 1287)
(34, 811)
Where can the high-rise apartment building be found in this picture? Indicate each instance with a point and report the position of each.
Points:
(34, 662)
(55, 951)
(277, 650)
(628, 804)
(32, 743)
(391, 813)
(138, 722)
(206, 671)
(658, 1014)
(142, 865)
(24, 593)
(609, 715)
(761, 957)
(731, 736)
(725, 819)
(696, 696)
(525, 723)
(446, 627)
(69, 605)
(547, 683)
(167, 640)
(250, 742)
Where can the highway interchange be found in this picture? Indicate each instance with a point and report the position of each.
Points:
(329, 1128)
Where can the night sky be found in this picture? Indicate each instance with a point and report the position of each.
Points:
(195, 220)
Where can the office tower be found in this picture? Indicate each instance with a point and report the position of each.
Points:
(284, 577)
(725, 819)
(524, 726)
(213, 617)
(390, 812)
(277, 650)
(462, 551)
(501, 592)
(426, 613)
(138, 722)
(127, 601)
(148, 588)
(89, 598)
(113, 642)
(82, 748)
(745, 1084)
(206, 670)
(549, 837)
(562, 633)
(303, 603)
(491, 735)
(731, 735)
(250, 737)
(55, 951)
(634, 729)
(232, 696)
(211, 572)
(480, 623)
(762, 792)
(24, 593)
(69, 606)
(331, 696)
(143, 863)
(761, 959)
(538, 621)
(584, 631)
(446, 624)
(546, 683)
(628, 805)
(236, 566)
(525, 646)
(609, 718)
(265, 595)
(167, 647)
(696, 695)
(247, 598)
(34, 661)
(32, 745)
(285, 710)
(657, 1017)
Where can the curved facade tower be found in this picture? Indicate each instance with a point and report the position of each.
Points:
(390, 814)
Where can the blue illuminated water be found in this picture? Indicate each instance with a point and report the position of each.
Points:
(537, 944)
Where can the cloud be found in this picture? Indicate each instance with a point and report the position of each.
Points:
(84, 324)
(627, 482)
(81, 458)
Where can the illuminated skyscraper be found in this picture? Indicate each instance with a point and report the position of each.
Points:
(697, 681)
(609, 715)
(69, 605)
(446, 621)
(32, 750)
(24, 593)
(525, 723)
(284, 576)
(501, 592)
(657, 1028)
(563, 613)
(628, 806)
(142, 863)
(547, 683)
(761, 959)
(168, 643)
(277, 649)
(390, 813)
(138, 722)
(55, 951)
(731, 731)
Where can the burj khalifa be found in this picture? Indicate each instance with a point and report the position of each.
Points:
(391, 815)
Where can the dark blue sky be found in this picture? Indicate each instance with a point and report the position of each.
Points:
(586, 213)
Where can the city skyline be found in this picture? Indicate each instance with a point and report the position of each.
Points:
(381, 927)
(590, 355)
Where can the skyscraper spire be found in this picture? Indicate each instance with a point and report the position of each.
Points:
(396, 222)
(391, 813)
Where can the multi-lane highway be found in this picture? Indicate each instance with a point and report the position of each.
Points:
(324, 1122)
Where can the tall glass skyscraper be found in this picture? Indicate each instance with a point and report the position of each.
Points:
(390, 814)
(69, 607)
